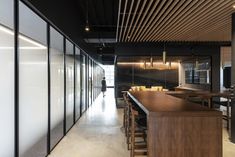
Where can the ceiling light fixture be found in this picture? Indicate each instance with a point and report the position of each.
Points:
(151, 61)
(87, 28)
(170, 65)
(234, 6)
(196, 64)
(164, 55)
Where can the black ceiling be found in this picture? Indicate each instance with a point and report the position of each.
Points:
(102, 17)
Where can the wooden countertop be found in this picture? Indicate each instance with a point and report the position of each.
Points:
(160, 103)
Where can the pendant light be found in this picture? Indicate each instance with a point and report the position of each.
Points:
(151, 61)
(144, 64)
(87, 27)
(196, 64)
(169, 64)
(164, 55)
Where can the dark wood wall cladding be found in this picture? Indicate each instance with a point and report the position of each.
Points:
(177, 49)
(135, 74)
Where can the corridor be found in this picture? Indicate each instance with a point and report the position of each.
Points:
(97, 133)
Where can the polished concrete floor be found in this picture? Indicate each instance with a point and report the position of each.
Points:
(98, 133)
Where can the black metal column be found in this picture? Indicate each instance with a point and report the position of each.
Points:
(232, 131)
(49, 90)
(64, 86)
(74, 85)
(16, 79)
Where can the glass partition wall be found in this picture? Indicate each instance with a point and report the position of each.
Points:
(69, 64)
(77, 84)
(7, 78)
(33, 83)
(57, 86)
(83, 83)
(44, 86)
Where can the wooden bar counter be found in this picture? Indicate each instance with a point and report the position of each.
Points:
(179, 128)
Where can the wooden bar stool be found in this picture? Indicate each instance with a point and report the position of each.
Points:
(125, 112)
(139, 132)
(138, 144)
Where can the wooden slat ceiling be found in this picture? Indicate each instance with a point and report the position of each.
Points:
(174, 20)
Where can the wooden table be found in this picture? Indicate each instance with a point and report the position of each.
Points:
(179, 128)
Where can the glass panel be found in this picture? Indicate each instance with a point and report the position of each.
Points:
(6, 13)
(57, 86)
(78, 84)
(6, 79)
(83, 73)
(69, 85)
(90, 81)
(33, 85)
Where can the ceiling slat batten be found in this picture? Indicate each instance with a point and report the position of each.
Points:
(147, 19)
(205, 15)
(179, 18)
(132, 20)
(203, 29)
(166, 13)
(127, 21)
(156, 22)
(176, 20)
(123, 19)
(208, 24)
(142, 18)
(185, 13)
(118, 20)
(150, 22)
(136, 21)
(215, 28)
(158, 16)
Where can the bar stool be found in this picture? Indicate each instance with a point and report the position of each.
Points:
(138, 134)
(125, 112)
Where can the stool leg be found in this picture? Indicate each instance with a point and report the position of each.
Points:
(124, 118)
(132, 135)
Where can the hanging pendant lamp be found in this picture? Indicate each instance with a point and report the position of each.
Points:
(87, 27)
(164, 55)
